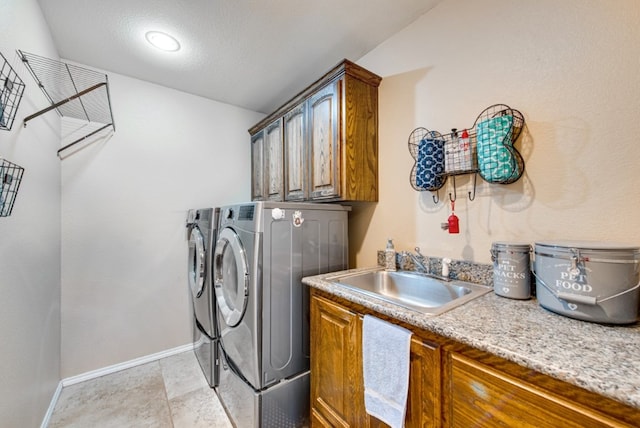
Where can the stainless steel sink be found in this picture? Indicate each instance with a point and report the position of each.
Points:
(411, 290)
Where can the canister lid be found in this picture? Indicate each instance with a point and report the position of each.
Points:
(589, 245)
(594, 250)
(511, 245)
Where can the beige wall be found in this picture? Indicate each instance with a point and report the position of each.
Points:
(124, 209)
(572, 67)
(30, 237)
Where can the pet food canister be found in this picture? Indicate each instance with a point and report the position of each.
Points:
(590, 281)
(511, 271)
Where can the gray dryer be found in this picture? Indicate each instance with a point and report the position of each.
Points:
(263, 251)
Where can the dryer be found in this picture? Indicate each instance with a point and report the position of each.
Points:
(202, 227)
(263, 251)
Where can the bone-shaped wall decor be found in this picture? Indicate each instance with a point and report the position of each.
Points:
(486, 148)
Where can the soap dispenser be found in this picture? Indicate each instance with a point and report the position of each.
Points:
(390, 256)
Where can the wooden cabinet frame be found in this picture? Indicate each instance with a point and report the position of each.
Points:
(455, 385)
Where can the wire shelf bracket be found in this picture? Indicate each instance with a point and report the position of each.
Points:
(73, 91)
(11, 90)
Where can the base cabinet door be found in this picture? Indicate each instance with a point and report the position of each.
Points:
(479, 395)
(337, 383)
(337, 392)
(423, 400)
(424, 403)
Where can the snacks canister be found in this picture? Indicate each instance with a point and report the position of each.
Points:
(590, 281)
(511, 271)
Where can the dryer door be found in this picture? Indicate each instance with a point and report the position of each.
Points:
(197, 262)
(231, 277)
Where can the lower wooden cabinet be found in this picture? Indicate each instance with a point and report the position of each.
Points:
(450, 384)
(337, 391)
(423, 399)
(483, 396)
(337, 386)
(423, 402)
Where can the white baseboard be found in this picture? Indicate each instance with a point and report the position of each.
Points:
(125, 365)
(52, 405)
(108, 370)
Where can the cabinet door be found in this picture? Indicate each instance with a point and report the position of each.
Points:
(295, 187)
(273, 162)
(324, 144)
(423, 400)
(479, 395)
(257, 166)
(337, 390)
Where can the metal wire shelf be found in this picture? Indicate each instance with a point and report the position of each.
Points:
(10, 178)
(73, 91)
(11, 90)
(487, 149)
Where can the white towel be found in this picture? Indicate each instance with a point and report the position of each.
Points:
(385, 353)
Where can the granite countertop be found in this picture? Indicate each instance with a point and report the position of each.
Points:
(599, 358)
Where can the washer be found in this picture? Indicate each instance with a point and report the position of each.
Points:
(202, 227)
(262, 252)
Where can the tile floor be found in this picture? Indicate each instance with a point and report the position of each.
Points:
(171, 392)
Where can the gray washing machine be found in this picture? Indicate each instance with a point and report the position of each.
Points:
(263, 251)
(202, 227)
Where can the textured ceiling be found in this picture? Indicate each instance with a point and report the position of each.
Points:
(254, 54)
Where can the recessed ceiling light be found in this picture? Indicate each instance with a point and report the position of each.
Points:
(162, 41)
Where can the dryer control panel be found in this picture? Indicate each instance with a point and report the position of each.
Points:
(241, 212)
(246, 212)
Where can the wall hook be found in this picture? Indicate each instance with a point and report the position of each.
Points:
(471, 198)
(454, 191)
(436, 198)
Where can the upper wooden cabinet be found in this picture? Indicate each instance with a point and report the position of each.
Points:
(323, 142)
(294, 153)
(329, 140)
(273, 161)
(257, 166)
(267, 163)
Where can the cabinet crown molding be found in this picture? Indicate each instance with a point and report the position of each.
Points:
(344, 67)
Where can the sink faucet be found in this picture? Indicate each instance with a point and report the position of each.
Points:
(418, 259)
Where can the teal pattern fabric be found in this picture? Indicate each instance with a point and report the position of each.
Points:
(496, 161)
(430, 164)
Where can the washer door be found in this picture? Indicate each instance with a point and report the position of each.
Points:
(197, 262)
(231, 277)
